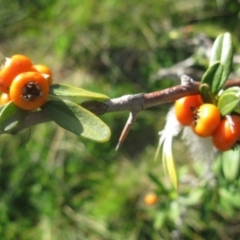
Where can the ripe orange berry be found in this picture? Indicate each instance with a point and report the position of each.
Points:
(227, 133)
(45, 70)
(150, 199)
(29, 90)
(11, 68)
(184, 108)
(206, 120)
(4, 98)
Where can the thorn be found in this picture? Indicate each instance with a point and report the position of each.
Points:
(118, 146)
(131, 120)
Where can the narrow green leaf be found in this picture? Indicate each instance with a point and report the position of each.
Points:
(75, 94)
(213, 76)
(77, 120)
(228, 102)
(168, 161)
(156, 180)
(10, 117)
(222, 51)
(231, 164)
(218, 53)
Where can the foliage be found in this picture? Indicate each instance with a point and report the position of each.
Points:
(55, 185)
(219, 63)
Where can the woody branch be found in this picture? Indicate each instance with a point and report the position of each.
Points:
(133, 103)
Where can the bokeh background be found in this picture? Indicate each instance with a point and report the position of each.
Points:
(54, 185)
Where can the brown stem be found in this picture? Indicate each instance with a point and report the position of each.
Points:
(133, 103)
(170, 94)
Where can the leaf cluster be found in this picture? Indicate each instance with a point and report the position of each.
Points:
(214, 79)
(63, 107)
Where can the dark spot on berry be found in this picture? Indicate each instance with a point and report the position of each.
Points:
(31, 91)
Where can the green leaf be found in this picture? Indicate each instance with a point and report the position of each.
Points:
(174, 211)
(206, 94)
(228, 102)
(222, 51)
(232, 198)
(194, 197)
(231, 164)
(159, 184)
(168, 161)
(160, 218)
(75, 94)
(234, 89)
(213, 76)
(77, 120)
(10, 117)
(225, 208)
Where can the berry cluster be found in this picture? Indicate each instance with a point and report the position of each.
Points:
(207, 121)
(23, 83)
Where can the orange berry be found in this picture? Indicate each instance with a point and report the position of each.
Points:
(227, 133)
(184, 108)
(29, 90)
(206, 120)
(45, 70)
(150, 199)
(11, 68)
(4, 98)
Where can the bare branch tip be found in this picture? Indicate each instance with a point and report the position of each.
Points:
(186, 80)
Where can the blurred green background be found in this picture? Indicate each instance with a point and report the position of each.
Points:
(54, 185)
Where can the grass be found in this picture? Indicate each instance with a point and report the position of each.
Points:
(55, 185)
